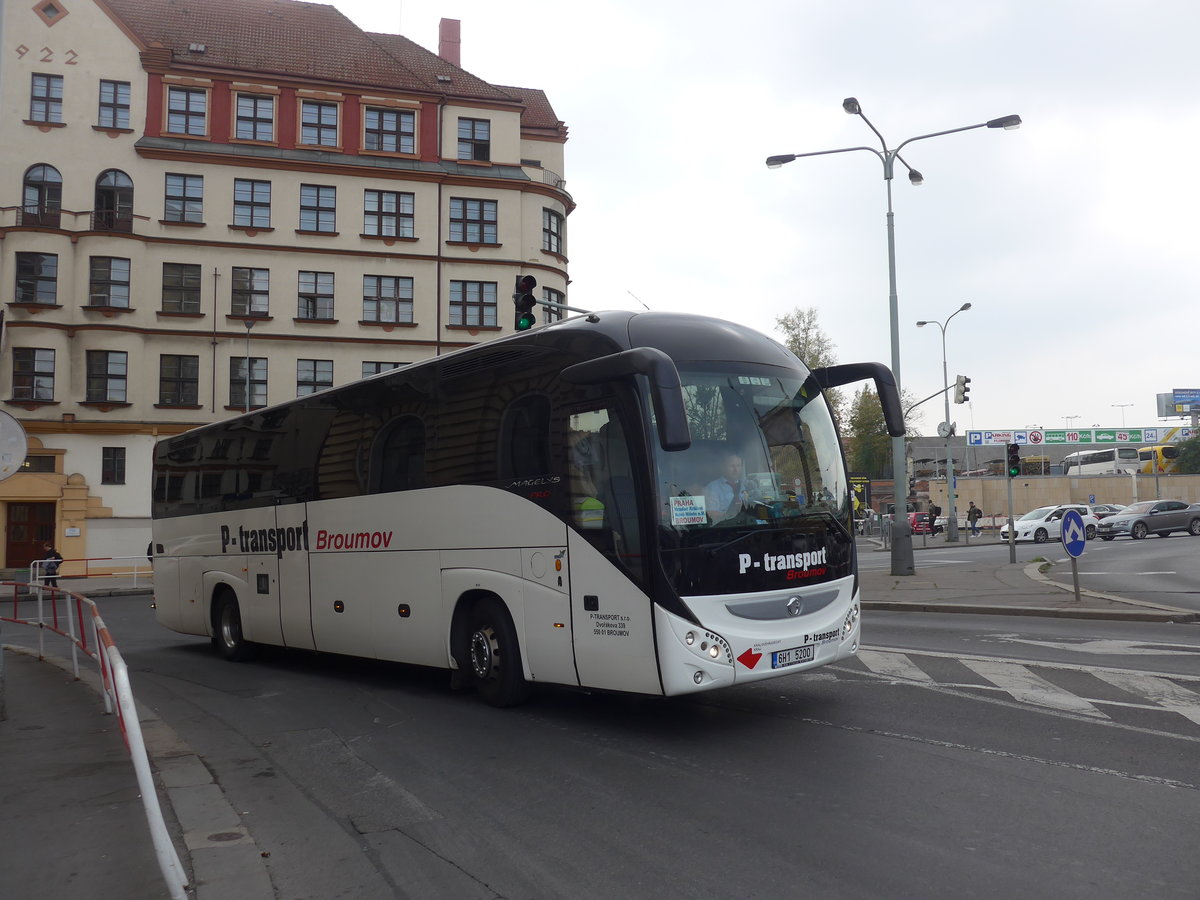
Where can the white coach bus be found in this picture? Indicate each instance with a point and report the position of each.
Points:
(532, 509)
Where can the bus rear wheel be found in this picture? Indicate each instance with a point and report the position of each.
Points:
(493, 656)
(227, 630)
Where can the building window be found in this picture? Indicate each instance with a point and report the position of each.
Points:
(112, 465)
(552, 227)
(107, 373)
(473, 221)
(114, 202)
(318, 207)
(374, 368)
(255, 118)
(390, 131)
(108, 283)
(251, 292)
(33, 373)
(178, 380)
(552, 314)
(39, 464)
(315, 295)
(388, 214)
(45, 98)
(251, 203)
(473, 303)
(185, 198)
(257, 382)
(387, 298)
(42, 200)
(313, 375)
(319, 123)
(181, 288)
(474, 139)
(37, 278)
(114, 104)
(187, 111)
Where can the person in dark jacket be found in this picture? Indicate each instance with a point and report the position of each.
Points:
(51, 560)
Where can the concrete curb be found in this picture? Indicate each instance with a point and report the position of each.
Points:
(1033, 571)
(1117, 615)
(221, 856)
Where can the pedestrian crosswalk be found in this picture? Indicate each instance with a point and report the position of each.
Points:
(1093, 692)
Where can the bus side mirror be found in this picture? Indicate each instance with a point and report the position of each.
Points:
(666, 392)
(885, 387)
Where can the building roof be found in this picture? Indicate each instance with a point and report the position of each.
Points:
(538, 114)
(310, 41)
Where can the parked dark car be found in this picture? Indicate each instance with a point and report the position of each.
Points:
(1104, 510)
(1161, 517)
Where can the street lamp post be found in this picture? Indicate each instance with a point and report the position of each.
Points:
(1122, 406)
(902, 551)
(1067, 421)
(952, 515)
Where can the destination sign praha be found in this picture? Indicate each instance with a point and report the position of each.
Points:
(1037, 436)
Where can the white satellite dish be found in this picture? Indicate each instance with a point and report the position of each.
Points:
(13, 445)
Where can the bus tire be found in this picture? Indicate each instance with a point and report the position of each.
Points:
(227, 629)
(493, 656)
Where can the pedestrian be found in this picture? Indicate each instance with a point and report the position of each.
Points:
(974, 514)
(51, 560)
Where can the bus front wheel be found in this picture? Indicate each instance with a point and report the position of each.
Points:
(493, 656)
(227, 631)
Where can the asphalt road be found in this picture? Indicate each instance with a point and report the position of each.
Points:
(948, 761)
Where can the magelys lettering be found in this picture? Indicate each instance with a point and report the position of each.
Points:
(782, 562)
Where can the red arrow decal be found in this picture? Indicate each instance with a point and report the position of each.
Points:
(750, 659)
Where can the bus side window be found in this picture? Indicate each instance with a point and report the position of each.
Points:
(525, 438)
(398, 457)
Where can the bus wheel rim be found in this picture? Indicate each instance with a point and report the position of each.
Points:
(483, 653)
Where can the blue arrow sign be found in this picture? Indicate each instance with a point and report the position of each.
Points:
(1074, 535)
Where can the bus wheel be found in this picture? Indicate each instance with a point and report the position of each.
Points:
(493, 657)
(227, 633)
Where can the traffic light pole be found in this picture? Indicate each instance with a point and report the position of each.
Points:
(1012, 526)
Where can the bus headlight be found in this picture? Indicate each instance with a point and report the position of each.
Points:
(689, 638)
(850, 621)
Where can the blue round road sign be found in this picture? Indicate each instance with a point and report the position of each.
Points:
(1074, 535)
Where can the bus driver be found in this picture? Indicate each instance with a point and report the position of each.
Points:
(725, 495)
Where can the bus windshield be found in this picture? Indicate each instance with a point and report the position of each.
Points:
(764, 475)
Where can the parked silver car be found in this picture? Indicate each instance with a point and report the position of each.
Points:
(1159, 517)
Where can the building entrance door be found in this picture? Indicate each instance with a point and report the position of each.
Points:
(29, 526)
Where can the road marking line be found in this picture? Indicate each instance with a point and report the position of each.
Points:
(1166, 694)
(894, 665)
(1023, 685)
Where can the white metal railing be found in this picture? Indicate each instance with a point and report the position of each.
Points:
(67, 618)
(130, 566)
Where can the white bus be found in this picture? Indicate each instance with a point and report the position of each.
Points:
(531, 510)
(1110, 461)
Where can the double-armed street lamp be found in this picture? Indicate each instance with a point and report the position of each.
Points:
(1122, 407)
(902, 551)
(947, 430)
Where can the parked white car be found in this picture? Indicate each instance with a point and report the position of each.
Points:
(1045, 523)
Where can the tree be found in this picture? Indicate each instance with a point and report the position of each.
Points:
(1188, 461)
(868, 445)
(802, 335)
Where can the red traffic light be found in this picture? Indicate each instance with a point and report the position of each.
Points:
(526, 284)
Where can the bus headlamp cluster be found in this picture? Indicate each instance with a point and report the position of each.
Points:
(708, 645)
(850, 621)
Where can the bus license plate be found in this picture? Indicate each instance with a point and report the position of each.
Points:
(783, 658)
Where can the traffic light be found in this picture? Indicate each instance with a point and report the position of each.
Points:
(1014, 460)
(961, 389)
(523, 303)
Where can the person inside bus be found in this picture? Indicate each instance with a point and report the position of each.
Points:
(725, 495)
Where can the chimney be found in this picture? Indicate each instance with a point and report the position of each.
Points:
(449, 43)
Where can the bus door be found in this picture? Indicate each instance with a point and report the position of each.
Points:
(611, 616)
(293, 584)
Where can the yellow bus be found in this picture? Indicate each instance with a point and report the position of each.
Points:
(1160, 459)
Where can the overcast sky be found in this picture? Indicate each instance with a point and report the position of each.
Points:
(1074, 238)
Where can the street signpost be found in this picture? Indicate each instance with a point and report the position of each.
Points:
(1074, 541)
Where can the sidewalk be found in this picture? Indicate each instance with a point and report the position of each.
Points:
(75, 824)
(992, 588)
